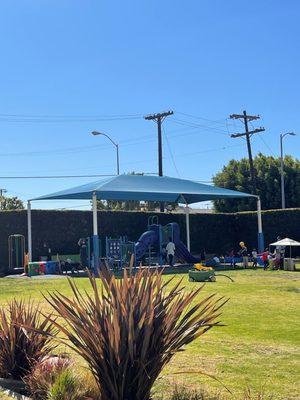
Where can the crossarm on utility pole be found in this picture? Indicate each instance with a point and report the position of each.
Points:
(235, 135)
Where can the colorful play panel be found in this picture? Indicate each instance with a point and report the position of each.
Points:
(42, 268)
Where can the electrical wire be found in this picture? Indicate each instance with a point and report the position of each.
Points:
(84, 149)
(23, 118)
(66, 176)
(170, 152)
(205, 127)
(56, 176)
(263, 140)
(221, 121)
(127, 163)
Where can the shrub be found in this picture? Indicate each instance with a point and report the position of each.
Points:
(43, 376)
(128, 330)
(21, 346)
(182, 393)
(67, 386)
(54, 378)
(250, 394)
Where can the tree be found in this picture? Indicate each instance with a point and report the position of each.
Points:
(116, 205)
(11, 203)
(236, 176)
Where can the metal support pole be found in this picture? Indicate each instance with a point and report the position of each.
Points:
(261, 244)
(282, 135)
(29, 234)
(95, 234)
(282, 173)
(187, 220)
(118, 160)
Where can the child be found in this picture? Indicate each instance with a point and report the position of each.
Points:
(244, 253)
(265, 258)
(254, 258)
(170, 252)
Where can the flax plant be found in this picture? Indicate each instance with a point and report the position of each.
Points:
(128, 329)
(21, 345)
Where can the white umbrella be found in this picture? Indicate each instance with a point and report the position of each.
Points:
(286, 242)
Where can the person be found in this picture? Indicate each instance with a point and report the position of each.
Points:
(231, 255)
(244, 254)
(170, 252)
(277, 259)
(216, 259)
(271, 261)
(281, 250)
(83, 252)
(47, 255)
(254, 258)
(213, 262)
(265, 258)
(164, 254)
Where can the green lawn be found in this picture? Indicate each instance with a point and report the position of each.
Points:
(258, 347)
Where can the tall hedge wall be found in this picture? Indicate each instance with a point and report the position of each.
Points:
(214, 232)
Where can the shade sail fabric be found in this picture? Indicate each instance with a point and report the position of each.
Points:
(286, 242)
(147, 188)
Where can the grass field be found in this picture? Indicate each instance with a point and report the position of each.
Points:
(259, 347)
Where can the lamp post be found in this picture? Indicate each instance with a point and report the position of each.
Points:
(282, 135)
(1, 195)
(96, 133)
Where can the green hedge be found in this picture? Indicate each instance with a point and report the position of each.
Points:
(217, 233)
(283, 223)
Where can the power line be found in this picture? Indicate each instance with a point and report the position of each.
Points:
(220, 122)
(193, 124)
(125, 163)
(23, 118)
(55, 176)
(70, 116)
(79, 149)
(207, 151)
(65, 176)
(264, 142)
(193, 129)
(171, 153)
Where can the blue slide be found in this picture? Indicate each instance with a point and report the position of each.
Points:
(151, 238)
(181, 251)
(147, 239)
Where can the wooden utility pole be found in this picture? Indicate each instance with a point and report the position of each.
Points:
(247, 134)
(158, 118)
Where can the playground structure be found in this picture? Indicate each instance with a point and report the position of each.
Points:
(120, 253)
(142, 188)
(151, 245)
(16, 251)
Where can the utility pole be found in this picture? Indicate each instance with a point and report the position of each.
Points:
(248, 135)
(1, 195)
(158, 118)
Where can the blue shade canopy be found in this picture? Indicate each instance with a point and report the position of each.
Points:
(147, 188)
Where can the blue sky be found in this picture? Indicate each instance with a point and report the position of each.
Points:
(66, 66)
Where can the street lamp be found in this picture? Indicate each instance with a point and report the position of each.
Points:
(96, 133)
(1, 195)
(282, 135)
